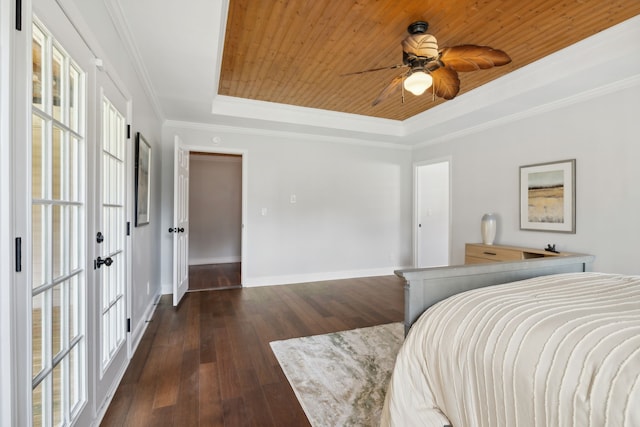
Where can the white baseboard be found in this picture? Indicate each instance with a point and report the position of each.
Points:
(218, 260)
(141, 327)
(316, 277)
(250, 282)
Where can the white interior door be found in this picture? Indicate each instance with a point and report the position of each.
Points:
(110, 237)
(180, 227)
(432, 214)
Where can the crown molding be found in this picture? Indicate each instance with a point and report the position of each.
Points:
(236, 130)
(124, 31)
(262, 110)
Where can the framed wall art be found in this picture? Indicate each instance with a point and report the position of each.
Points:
(548, 196)
(142, 180)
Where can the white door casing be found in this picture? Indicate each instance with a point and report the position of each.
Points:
(180, 228)
(7, 231)
(245, 183)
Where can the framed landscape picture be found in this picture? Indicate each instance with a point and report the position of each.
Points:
(548, 197)
(142, 177)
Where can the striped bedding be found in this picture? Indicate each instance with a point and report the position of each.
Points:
(561, 350)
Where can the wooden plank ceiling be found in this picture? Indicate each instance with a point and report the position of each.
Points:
(294, 51)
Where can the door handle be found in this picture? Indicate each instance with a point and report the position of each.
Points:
(99, 262)
(176, 230)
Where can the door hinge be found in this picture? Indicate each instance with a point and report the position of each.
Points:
(128, 325)
(128, 131)
(128, 228)
(19, 15)
(18, 254)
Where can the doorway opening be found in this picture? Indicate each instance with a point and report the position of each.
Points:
(215, 221)
(432, 201)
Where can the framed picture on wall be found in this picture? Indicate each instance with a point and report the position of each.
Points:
(142, 180)
(548, 197)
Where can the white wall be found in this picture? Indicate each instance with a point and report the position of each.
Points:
(215, 208)
(601, 133)
(352, 213)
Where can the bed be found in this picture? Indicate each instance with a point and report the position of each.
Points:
(552, 345)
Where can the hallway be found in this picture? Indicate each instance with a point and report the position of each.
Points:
(214, 276)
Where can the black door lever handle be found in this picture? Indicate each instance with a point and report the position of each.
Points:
(107, 261)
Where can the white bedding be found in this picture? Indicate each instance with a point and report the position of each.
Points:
(559, 350)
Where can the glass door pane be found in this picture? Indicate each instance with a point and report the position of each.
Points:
(57, 234)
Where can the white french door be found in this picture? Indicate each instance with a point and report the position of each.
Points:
(57, 228)
(72, 201)
(111, 245)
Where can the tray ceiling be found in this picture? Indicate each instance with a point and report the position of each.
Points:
(294, 52)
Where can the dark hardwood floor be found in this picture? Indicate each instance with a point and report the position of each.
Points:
(209, 363)
(214, 276)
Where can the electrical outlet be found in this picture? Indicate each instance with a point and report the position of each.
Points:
(263, 212)
(292, 198)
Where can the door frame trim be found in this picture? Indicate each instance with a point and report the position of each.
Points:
(245, 183)
(15, 112)
(416, 194)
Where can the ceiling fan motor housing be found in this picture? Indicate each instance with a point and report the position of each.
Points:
(419, 47)
(418, 27)
(424, 46)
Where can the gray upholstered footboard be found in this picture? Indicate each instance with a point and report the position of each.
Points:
(426, 286)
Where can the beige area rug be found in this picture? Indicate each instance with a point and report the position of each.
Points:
(341, 378)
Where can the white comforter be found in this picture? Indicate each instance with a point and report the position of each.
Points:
(559, 350)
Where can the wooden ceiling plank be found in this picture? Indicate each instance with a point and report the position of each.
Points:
(293, 51)
(268, 42)
(342, 48)
(309, 56)
(239, 14)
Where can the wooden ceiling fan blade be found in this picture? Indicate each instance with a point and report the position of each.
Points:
(471, 57)
(389, 89)
(392, 67)
(446, 83)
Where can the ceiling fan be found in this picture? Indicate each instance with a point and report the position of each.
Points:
(430, 67)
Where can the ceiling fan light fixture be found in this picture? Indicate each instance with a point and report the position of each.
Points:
(418, 82)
